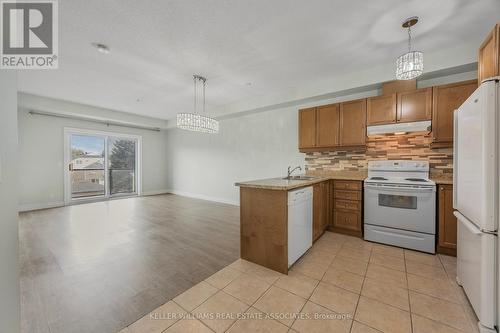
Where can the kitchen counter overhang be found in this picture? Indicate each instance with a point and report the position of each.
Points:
(286, 185)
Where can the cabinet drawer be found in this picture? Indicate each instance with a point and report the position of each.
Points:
(348, 205)
(347, 220)
(347, 185)
(348, 195)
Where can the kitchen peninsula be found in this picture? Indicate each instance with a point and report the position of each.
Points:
(264, 213)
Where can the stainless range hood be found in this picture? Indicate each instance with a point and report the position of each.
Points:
(399, 128)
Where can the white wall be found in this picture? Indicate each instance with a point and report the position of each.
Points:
(9, 265)
(253, 146)
(41, 150)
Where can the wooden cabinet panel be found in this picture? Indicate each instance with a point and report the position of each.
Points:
(347, 195)
(349, 205)
(327, 125)
(415, 105)
(263, 231)
(381, 109)
(353, 123)
(396, 86)
(319, 209)
(445, 100)
(350, 220)
(307, 128)
(489, 55)
(447, 221)
(347, 185)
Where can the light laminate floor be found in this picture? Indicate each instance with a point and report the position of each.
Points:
(343, 284)
(99, 267)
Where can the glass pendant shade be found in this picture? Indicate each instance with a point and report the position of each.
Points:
(197, 123)
(410, 65)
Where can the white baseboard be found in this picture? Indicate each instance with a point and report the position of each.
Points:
(156, 192)
(37, 206)
(204, 197)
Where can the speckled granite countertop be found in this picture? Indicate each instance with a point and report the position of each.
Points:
(442, 180)
(320, 176)
(280, 183)
(285, 185)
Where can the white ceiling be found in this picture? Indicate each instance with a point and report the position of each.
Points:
(276, 45)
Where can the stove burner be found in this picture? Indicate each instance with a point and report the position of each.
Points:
(416, 179)
(378, 178)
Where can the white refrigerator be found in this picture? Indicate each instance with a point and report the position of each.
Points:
(476, 201)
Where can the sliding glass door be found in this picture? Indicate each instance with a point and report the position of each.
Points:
(86, 169)
(121, 165)
(101, 165)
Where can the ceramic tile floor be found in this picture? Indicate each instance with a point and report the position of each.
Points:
(342, 284)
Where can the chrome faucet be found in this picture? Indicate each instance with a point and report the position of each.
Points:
(290, 171)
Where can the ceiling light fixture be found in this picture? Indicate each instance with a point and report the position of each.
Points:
(195, 121)
(101, 48)
(411, 64)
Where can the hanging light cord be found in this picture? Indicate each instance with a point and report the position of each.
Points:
(409, 38)
(197, 78)
(194, 94)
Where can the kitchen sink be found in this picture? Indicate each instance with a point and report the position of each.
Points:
(300, 178)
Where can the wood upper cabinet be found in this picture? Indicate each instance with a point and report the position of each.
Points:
(307, 128)
(414, 105)
(445, 100)
(447, 221)
(353, 123)
(333, 126)
(381, 109)
(320, 209)
(327, 125)
(489, 55)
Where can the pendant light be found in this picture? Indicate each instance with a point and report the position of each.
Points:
(195, 121)
(411, 64)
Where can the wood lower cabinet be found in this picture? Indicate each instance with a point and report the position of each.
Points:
(489, 55)
(307, 128)
(263, 227)
(353, 123)
(445, 100)
(381, 109)
(320, 209)
(447, 222)
(347, 207)
(348, 220)
(414, 105)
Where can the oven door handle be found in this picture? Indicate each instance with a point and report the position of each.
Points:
(402, 188)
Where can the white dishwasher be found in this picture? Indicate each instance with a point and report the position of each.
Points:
(300, 218)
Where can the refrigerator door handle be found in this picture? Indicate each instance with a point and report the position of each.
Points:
(455, 157)
(472, 228)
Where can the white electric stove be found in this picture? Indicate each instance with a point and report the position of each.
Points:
(400, 204)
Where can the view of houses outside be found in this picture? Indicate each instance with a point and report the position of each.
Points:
(88, 160)
(87, 166)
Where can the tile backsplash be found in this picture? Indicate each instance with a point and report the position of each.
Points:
(414, 146)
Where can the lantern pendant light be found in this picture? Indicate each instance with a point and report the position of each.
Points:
(411, 64)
